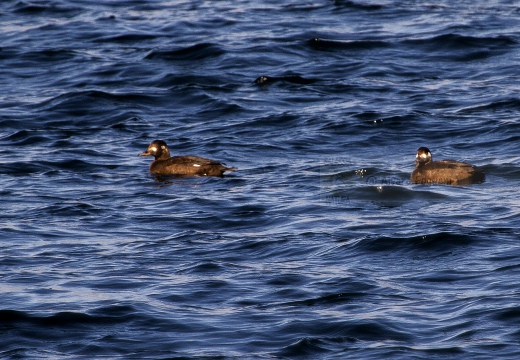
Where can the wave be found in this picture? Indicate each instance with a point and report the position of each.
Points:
(195, 52)
(90, 98)
(31, 8)
(440, 241)
(107, 315)
(462, 47)
(458, 47)
(511, 104)
(348, 4)
(126, 38)
(24, 168)
(463, 42)
(39, 56)
(327, 44)
(100, 109)
(319, 337)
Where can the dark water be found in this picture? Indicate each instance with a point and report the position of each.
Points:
(318, 246)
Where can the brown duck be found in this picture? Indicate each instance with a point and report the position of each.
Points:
(444, 171)
(164, 164)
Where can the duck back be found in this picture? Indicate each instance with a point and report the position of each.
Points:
(189, 165)
(447, 172)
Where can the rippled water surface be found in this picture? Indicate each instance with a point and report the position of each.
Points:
(318, 246)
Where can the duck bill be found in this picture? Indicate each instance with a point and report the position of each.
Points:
(146, 153)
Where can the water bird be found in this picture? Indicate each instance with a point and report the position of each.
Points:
(164, 164)
(444, 171)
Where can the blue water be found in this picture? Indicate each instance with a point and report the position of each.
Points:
(318, 246)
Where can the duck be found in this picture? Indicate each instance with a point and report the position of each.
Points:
(188, 165)
(448, 172)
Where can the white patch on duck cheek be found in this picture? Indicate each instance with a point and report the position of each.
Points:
(152, 149)
(196, 165)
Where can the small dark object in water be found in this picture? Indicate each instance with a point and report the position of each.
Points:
(295, 79)
(164, 164)
(444, 171)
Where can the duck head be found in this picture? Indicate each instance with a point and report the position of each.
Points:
(158, 149)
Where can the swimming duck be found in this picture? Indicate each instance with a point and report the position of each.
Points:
(444, 171)
(164, 164)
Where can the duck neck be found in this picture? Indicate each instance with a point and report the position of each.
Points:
(165, 155)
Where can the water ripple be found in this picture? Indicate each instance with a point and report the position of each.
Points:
(318, 246)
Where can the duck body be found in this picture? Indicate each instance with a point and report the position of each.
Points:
(448, 172)
(189, 165)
